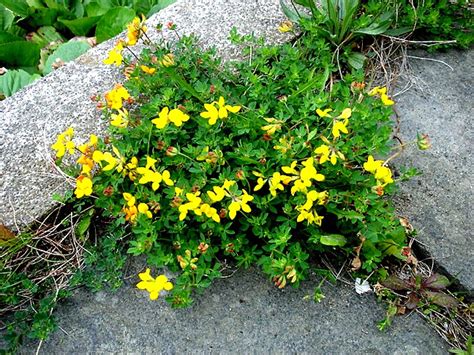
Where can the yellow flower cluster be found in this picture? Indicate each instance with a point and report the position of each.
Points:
(382, 92)
(131, 210)
(382, 174)
(149, 174)
(239, 203)
(199, 208)
(153, 285)
(212, 112)
(120, 119)
(175, 116)
(116, 96)
(339, 123)
(64, 143)
(306, 211)
(135, 30)
(115, 54)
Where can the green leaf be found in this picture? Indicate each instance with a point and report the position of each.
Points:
(6, 18)
(290, 12)
(356, 60)
(6, 37)
(83, 225)
(95, 9)
(66, 52)
(160, 6)
(19, 7)
(80, 26)
(14, 80)
(334, 240)
(113, 23)
(19, 54)
(44, 17)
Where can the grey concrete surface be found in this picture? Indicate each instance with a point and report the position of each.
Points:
(32, 118)
(439, 203)
(242, 314)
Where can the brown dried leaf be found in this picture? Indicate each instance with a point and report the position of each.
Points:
(5, 233)
(356, 263)
(406, 224)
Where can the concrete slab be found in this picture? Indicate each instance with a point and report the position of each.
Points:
(32, 118)
(242, 314)
(439, 203)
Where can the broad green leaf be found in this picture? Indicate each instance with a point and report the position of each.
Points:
(65, 53)
(289, 11)
(14, 80)
(43, 17)
(19, 54)
(6, 37)
(356, 60)
(80, 26)
(398, 31)
(160, 6)
(83, 225)
(113, 23)
(6, 18)
(37, 4)
(333, 240)
(94, 9)
(19, 7)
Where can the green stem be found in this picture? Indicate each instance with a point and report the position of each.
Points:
(184, 83)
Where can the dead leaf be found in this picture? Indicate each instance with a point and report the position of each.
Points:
(356, 264)
(406, 224)
(5, 233)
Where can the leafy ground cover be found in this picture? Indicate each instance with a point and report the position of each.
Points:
(269, 161)
(37, 36)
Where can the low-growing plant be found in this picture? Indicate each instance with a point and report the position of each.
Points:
(257, 162)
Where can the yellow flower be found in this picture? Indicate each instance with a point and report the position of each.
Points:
(290, 169)
(135, 30)
(323, 113)
(240, 203)
(120, 119)
(372, 165)
(63, 143)
(260, 182)
(300, 186)
(386, 100)
(166, 177)
(384, 175)
(83, 186)
(131, 213)
(285, 145)
(345, 114)
(192, 205)
(148, 176)
(115, 55)
(178, 191)
(212, 113)
(152, 285)
(217, 194)
(115, 97)
(309, 171)
(277, 181)
(129, 198)
(107, 157)
(382, 92)
(210, 212)
(143, 208)
(326, 153)
(176, 116)
(168, 60)
(285, 26)
(273, 126)
(338, 127)
(147, 70)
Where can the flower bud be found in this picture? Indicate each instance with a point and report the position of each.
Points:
(423, 141)
(285, 26)
(171, 151)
